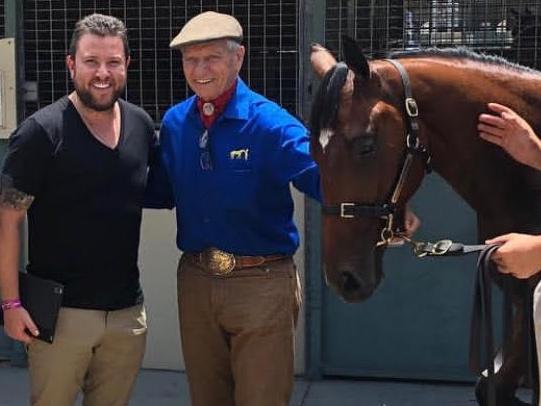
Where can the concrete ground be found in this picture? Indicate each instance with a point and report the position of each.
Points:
(169, 388)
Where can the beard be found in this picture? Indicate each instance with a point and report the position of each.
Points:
(86, 98)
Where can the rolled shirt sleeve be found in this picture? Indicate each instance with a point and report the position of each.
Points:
(30, 150)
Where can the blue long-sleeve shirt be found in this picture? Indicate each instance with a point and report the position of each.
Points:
(242, 205)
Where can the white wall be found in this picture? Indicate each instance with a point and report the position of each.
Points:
(158, 260)
(158, 257)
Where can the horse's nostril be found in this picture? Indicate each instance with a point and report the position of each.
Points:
(349, 282)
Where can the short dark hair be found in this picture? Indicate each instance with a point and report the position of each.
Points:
(101, 25)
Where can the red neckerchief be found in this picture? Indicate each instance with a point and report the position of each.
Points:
(219, 106)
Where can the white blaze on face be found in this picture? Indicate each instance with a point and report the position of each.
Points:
(324, 137)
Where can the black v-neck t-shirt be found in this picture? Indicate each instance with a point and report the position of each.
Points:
(84, 223)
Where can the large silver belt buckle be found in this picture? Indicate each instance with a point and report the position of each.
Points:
(219, 262)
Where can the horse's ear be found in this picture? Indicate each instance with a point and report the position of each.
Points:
(354, 58)
(321, 59)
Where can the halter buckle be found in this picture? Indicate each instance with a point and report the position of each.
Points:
(343, 207)
(387, 235)
(411, 107)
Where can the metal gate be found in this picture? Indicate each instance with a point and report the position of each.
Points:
(155, 81)
(416, 326)
(509, 28)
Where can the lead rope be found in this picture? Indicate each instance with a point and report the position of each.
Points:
(481, 329)
(481, 326)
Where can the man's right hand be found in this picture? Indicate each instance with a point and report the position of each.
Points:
(18, 324)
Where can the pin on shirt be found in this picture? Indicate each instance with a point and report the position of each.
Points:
(208, 109)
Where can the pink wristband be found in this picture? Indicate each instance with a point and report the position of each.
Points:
(11, 304)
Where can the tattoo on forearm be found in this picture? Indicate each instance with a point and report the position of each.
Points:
(12, 198)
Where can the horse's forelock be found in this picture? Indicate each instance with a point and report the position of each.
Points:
(327, 100)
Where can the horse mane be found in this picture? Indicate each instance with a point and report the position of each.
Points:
(463, 53)
(327, 99)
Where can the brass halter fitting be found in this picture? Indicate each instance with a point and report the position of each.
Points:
(387, 234)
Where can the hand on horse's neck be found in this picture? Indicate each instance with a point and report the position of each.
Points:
(103, 125)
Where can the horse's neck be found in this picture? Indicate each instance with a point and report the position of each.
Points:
(501, 191)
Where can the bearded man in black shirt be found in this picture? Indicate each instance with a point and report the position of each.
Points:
(78, 168)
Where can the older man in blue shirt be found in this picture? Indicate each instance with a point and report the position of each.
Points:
(226, 161)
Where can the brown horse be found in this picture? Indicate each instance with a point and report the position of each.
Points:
(377, 126)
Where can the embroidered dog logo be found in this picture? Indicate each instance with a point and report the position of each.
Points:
(239, 154)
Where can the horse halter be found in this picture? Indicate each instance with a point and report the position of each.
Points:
(387, 210)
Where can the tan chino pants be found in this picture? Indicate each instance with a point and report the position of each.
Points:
(96, 352)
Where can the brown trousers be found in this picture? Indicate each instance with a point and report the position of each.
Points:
(238, 333)
(96, 352)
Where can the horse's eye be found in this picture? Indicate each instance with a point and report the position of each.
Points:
(363, 146)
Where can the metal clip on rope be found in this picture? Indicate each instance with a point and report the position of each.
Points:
(441, 248)
(422, 249)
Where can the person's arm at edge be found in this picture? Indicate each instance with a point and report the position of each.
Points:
(12, 214)
(507, 129)
(519, 254)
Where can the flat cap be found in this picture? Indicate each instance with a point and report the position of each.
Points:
(208, 26)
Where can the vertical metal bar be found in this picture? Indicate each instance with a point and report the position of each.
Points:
(280, 50)
(38, 70)
(536, 36)
(340, 31)
(517, 38)
(66, 41)
(14, 28)
(248, 44)
(371, 25)
(404, 24)
(355, 19)
(171, 89)
(51, 53)
(387, 25)
(350, 12)
(156, 109)
(312, 23)
(264, 47)
(2, 99)
(140, 73)
(126, 23)
(186, 88)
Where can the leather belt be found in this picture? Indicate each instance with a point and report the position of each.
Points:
(220, 262)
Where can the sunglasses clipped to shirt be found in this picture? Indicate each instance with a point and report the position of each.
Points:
(205, 159)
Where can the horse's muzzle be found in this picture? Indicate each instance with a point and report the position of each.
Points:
(354, 288)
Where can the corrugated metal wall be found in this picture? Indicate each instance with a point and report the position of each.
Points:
(155, 80)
